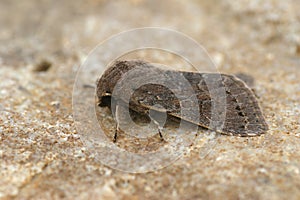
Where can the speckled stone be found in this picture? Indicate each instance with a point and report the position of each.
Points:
(41, 154)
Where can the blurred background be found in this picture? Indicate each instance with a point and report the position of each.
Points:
(35, 29)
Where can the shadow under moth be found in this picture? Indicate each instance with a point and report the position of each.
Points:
(224, 103)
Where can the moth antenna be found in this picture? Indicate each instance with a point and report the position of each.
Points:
(88, 86)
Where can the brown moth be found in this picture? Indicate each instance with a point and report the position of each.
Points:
(243, 116)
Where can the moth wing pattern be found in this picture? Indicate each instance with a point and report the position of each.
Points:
(243, 116)
(243, 113)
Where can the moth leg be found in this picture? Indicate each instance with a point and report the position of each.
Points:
(160, 135)
(116, 133)
(116, 110)
(160, 128)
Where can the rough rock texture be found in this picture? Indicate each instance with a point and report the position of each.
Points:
(42, 156)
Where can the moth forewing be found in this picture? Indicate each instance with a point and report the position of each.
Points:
(243, 116)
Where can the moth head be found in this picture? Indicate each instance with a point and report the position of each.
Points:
(107, 82)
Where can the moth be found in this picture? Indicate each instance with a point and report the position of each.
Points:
(242, 116)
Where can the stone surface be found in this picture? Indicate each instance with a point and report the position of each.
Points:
(42, 156)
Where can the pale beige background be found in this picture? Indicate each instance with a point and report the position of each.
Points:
(41, 154)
